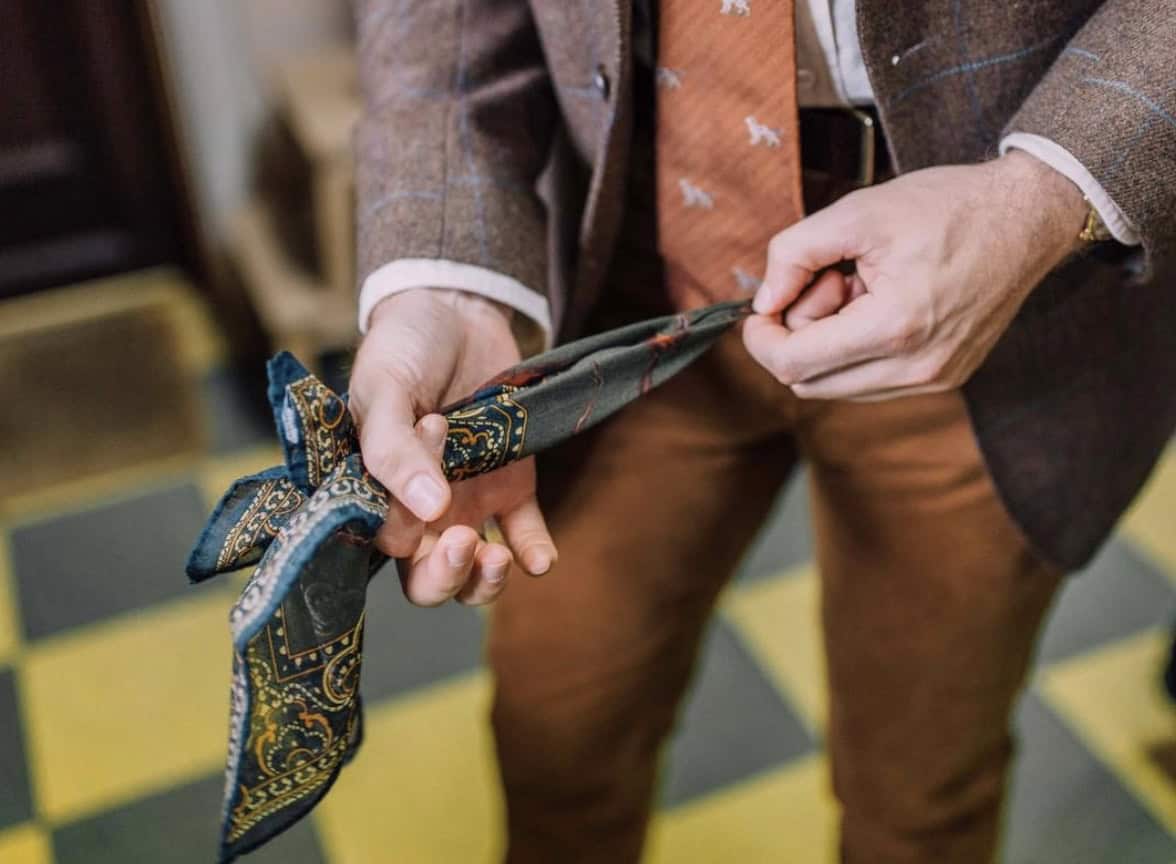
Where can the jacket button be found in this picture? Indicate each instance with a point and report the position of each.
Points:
(601, 83)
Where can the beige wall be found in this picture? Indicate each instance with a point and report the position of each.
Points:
(280, 28)
(219, 52)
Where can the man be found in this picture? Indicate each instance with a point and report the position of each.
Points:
(978, 395)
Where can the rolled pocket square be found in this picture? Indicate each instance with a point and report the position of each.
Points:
(309, 526)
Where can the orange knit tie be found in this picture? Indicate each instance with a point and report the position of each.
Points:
(728, 143)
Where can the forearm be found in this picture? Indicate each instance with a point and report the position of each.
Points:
(447, 161)
(1108, 101)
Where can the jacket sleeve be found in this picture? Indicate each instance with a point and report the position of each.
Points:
(1110, 100)
(457, 125)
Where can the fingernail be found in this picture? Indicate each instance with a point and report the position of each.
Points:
(459, 556)
(538, 562)
(496, 571)
(424, 496)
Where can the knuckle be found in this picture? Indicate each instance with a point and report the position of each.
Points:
(398, 544)
(416, 591)
(797, 318)
(777, 247)
(805, 391)
(903, 335)
(926, 370)
(433, 592)
(758, 351)
(532, 535)
(900, 337)
(853, 215)
(786, 373)
(409, 536)
(451, 585)
(383, 462)
(484, 595)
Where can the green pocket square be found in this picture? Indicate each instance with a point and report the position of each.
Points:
(297, 628)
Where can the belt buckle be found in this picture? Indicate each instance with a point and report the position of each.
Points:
(867, 145)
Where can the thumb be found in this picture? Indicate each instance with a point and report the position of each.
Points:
(409, 467)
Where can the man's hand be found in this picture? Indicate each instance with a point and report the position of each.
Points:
(425, 348)
(944, 259)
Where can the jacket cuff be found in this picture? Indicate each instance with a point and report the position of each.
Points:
(532, 326)
(1062, 160)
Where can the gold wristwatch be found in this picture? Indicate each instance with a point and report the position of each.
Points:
(1095, 230)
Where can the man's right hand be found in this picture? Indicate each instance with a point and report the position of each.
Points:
(425, 348)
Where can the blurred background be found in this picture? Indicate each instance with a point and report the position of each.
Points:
(175, 204)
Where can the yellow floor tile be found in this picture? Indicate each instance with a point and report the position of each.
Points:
(424, 788)
(9, 632)
(204, 343)
(779, 620)
(111, 717)
(25, 844)
(219, 473)
(96, 490)
(1151, 521)
(1113, 701)
(786, 816)
(201, 341)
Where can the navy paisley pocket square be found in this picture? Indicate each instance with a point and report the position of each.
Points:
(308, 526)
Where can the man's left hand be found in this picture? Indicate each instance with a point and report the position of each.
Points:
(944, 258)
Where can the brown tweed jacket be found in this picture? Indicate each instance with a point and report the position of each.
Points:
(469, 100)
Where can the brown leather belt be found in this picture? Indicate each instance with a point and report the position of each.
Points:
(841, 149)
(845, 144)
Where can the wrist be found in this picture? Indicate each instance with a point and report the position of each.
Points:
(466, 304)
(1052, 204)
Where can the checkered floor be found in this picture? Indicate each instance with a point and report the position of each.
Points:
(107, 758)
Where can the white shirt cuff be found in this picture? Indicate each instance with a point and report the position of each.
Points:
(407, 273)
(1062, 160)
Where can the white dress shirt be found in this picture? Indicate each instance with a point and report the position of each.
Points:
(830, 73)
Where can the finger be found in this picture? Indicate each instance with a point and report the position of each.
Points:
(859, 332)
(797, 253)
(872, 381)
(492, 564)
(401, 533)
(441, 567)
(857, 287)
(398, 458)
(526, 532)
(761, 334)
(887, 395)
(432, 430)
(824, 297)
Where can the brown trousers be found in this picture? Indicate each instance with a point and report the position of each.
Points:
(930, 606)
(930, 598)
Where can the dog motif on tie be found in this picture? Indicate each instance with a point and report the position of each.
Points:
(736, 7)
(747, 283)
(761, 134)
(693, 196)
(668, 79)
